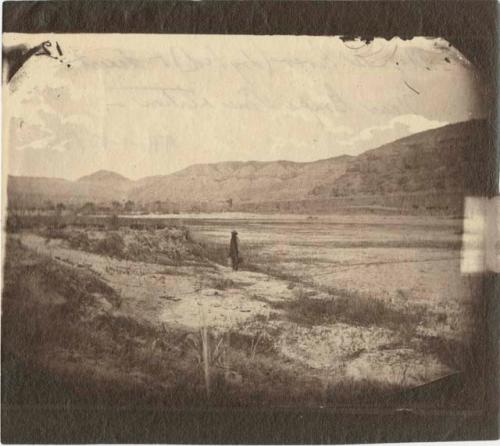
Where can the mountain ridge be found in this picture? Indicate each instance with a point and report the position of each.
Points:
(435, 160)
(103, 175)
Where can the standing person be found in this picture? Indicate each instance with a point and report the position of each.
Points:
(234, 251)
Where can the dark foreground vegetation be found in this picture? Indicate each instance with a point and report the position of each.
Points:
(52, 311)
(67, 342)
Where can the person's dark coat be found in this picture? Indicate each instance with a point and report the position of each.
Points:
(234, 250)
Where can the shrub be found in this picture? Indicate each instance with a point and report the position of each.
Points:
(135, 251)
(54, 233)
(111, 245)
(56, 222)
(114, 222)
(80, 240)
(211, 251)
(13, 223)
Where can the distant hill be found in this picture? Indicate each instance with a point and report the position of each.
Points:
(423, 172)
(110, 184)
(240, 181)
(428, 172)
(437, 160)
(33, 191)
(102, 186)
(105, 177)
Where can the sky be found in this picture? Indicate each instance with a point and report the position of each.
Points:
(144, 105)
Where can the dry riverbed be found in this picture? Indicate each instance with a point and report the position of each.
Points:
(267, 330)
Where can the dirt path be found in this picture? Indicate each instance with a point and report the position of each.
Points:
(214, 295)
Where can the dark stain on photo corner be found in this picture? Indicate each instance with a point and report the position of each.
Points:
(16, 56)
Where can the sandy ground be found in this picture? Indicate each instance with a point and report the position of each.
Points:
(417, 261)
(215, 296)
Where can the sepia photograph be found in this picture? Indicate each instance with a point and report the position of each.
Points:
(210, 221)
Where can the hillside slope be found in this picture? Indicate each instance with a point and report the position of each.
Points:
(432, 169)
(438, 160)
(106, 178)
(240, 181)
(110, 183)
(33, 191)
(99, 187)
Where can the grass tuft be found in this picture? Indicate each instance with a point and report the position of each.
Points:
(354, 310)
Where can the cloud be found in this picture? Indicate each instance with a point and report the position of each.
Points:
(416, 123)
(396, 128)
(148, 105)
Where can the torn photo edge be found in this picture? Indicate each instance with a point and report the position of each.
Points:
(471, 26)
